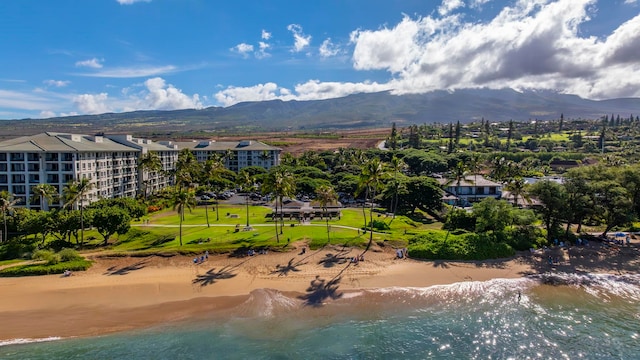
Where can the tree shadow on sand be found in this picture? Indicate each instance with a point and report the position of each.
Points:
(284, 270)
(321, 290)
(440, 263)
(331, 260)
(126, 269)
(212, 276)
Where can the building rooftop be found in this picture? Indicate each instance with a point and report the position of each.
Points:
(60, 142)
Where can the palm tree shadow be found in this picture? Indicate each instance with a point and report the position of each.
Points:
(331, 260)
(284, 270)
(212, 276)
(321, 290)
(440, 263)
(126, 269)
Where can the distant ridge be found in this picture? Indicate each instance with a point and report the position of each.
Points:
(366, 110)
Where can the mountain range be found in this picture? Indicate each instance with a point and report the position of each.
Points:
(366, 110)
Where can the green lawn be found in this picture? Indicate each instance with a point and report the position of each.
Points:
(161, 233)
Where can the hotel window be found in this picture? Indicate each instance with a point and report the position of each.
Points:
(3, 157)
(17, 157)
(17, 167)
(3, 167)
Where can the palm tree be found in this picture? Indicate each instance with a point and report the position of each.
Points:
(187, 168)
(518, 189)
(397, 166)
(7, 202)
(212, 171)
(149, 163)
(46, 193)
(181, 199)
(264, 156)
(457, 175)
(326, 195)
(246, 182)
(373, 172)
(74, 194)
(281, 183)
(475, 166)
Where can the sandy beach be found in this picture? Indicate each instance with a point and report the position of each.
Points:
(122, 293)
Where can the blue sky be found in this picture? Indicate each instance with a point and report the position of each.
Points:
(68, 57)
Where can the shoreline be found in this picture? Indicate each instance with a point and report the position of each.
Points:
(125, 293)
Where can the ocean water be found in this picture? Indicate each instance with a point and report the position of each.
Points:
(551, 316)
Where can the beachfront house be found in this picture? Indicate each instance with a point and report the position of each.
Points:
(469, 190)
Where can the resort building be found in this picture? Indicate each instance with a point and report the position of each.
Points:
(236, 154)
(110, 163)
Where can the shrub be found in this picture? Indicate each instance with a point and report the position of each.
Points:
(380, 225)
(41, 269)
(69, 255)
(48, 256)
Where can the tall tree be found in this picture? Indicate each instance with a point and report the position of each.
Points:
(212, 171)
(517, 187)
(246, 183)
(182, 199)
(397, 166)
(392, 143)
(552, 198)
(46, 193)
(7, 202)
(456, 176)
(281, 183)
(149, 164)
(187, 169)
(326, 195)
(509, 134)
(373, 172)
(613, 204)
(74, 193)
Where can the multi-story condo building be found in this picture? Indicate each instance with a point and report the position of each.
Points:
(110, 162)
(236, 154)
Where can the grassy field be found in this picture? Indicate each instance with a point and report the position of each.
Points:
(159, 232)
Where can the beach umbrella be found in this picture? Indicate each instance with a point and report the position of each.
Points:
(619, 234)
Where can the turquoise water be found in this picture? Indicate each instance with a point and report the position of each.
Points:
(547, 317)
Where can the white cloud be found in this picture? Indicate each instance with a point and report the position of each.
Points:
(132, 72)
(91, 63)
(448, 6)
(266, 35)
(311, 90)
(129, 2)
(301, 41)
(57, 83)
(532, 44)
(477, 4)
(328, 49)
(164, 96)
(529, 45)
(243, 49)
(262, 51)
(630, 1)
(92, 104)
(47, 114)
